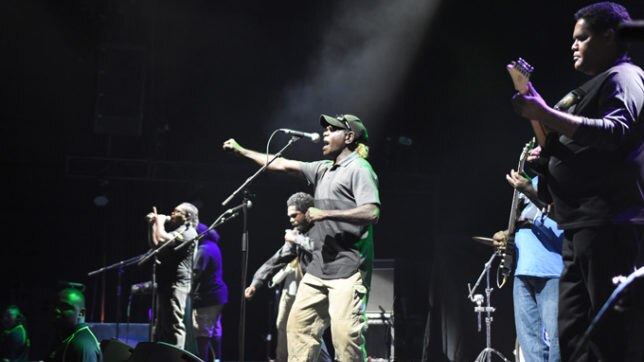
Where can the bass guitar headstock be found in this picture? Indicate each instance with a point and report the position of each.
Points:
(520, 72)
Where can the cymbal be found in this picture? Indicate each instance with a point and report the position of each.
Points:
(484, 240)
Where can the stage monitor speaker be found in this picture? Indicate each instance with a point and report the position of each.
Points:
(381, 295)
(115, 351)
(129, 333)
(159, 351)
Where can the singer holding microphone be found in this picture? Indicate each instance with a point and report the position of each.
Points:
(286, 268)
(347, 204)
(173, 271)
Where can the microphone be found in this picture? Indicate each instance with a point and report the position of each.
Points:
(248, 204)
(313, 137)
(631, 30)
(142, 288)
(282, 274)
(150, 216)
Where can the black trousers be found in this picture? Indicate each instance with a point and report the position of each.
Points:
(592, 257)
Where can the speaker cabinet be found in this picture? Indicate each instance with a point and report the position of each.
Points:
(159, 351)
(128, 333)
(381, 295)
(380, 311)
(115, 351)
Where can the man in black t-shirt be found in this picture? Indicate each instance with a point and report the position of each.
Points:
(174, 271)
(335, 288)
(595, 152)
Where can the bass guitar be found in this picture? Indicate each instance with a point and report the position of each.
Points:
(507, 256)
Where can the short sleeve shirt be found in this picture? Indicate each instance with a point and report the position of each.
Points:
(341, 248)
(176, 265)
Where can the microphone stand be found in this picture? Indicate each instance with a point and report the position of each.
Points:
(624, 282)
(153, 252)
(488, 351)
(119, 288)
(261, 169)
(244, 243)
(222, 219)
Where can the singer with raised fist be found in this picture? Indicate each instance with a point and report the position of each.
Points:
(347, 204)
(173, 271)
(595, 177)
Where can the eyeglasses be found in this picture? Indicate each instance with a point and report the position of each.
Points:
(344, 121)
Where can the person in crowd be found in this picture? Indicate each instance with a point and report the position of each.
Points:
(14, 341)
(75, 341)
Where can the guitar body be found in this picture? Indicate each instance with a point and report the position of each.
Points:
(507, 258)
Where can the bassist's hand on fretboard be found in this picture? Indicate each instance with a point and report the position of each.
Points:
(532, 106)
(527, 102)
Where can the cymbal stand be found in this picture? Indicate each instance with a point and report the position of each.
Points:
(487, 353)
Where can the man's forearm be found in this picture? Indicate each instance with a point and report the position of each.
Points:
(532, 195)
(159, 234)
(278, 164)
(257, 157)
(361, 215)
(561, 122)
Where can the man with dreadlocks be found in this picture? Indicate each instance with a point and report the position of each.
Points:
(347, 203)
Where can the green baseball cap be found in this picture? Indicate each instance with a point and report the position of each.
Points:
(348, 122)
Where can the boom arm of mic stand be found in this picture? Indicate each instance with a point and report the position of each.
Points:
(153, 252)
(487, 267)
(222, 219)
(261, 169)
(126, 262)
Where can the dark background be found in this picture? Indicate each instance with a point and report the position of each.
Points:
(132, 100)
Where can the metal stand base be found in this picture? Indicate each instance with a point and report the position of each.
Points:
(487, 353)
(484, 305)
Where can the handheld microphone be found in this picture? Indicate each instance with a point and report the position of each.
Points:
(150, 216)
(282, 274)
(248, 204)
(313, 137)
(142, 288)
